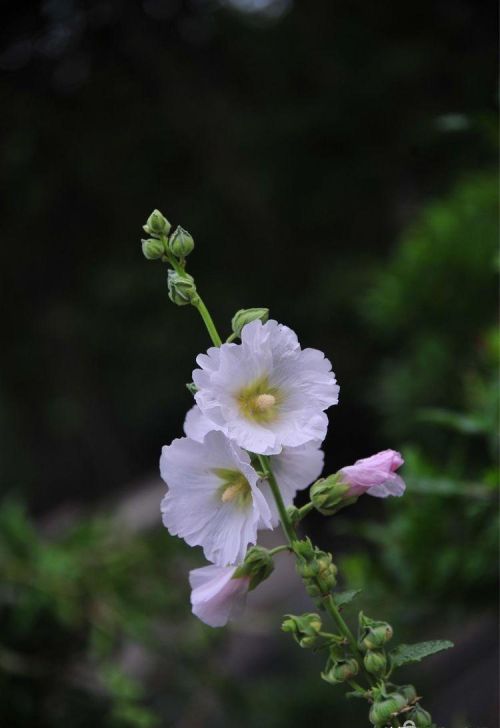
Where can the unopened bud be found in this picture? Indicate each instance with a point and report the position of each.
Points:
(157, 224)
(382, 710)
(304, 628)
(245, 316)
(180, 243)
(327, 494)
(409, 692)
(181, 288)
(341, 671)
(152, 248)
(374, 634)
(258, 565)
(420, 717)
(375, 662)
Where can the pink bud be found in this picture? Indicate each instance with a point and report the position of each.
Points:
(375, 475)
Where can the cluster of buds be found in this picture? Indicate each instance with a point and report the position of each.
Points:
(257, 566)
(393, 700)
(304, 628)
(316, 568)
(173, 250)
(159, 245)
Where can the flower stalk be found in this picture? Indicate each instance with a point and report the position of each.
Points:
(238, 469)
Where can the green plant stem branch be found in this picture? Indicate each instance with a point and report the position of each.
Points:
(305, 510)
(279, 549)
(286, 523)
(333, 610)
(208, 321)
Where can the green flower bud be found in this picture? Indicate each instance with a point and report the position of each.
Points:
(191, 388)
(246, 315)
(409, 692)
(157, 224)
(180, 243)
(152, 249)
(382, 710)
(341, 671)
(181, 289)
(420, 717)
(375, 662)
(258, 565)
(327, 494)
(374, 633)
(304, 628)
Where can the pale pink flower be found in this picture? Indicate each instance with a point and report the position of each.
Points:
(216, 597)
(375, 475)
(266, 393)
(295, 468)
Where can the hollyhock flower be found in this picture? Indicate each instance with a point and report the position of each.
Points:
(216, 597)
(213, 499)
(266, 393)
(375, 475)
(294, 468)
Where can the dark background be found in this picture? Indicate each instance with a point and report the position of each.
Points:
(335, 162)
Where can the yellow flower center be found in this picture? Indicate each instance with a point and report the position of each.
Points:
(235, 487)
(259, 401)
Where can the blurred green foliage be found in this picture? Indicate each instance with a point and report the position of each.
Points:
(72, 608)
(438, 397)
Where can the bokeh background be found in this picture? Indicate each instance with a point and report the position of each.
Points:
(335, 161)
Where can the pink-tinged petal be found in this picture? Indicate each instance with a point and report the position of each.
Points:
(216, 597)
(375, 475)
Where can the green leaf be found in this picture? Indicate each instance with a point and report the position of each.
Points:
(404, 654)
(346, 597)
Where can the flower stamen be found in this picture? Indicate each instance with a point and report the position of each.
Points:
(264, 402)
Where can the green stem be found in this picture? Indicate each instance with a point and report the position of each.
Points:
(279, 549)
(332, 608)
(305, 510)
(286, 523)
(208, 321)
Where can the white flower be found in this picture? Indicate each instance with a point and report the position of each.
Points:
(216, 597)
(266, 393)
(294, 468)
(213, 499)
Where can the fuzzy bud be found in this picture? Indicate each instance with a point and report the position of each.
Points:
(304, 628)
(181, 289)
(382, 710)
(374, 634)
(327, 494)
(152, 249)
(246, 315)
(157, 224)
(375, 662)
(341, 671)
(258, 565)
(420, 717)
(181, 243)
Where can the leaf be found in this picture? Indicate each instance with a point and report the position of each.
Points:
(346, 597)
(404, 654)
